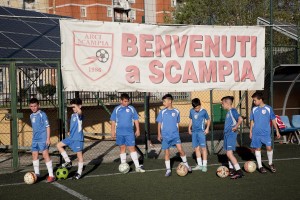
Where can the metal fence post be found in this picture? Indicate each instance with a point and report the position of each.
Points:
(61, 103)
(14, 117)
(212, 122)
(147, 122)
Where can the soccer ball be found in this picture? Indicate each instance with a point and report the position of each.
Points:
(102, 55)
(62, 173)
(250, 166)
(124, 168)
(182, 170)
(30, 178)
(222, 172)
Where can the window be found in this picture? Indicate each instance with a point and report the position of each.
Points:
(109, 12)
(131, 1)
(132, 15)
(83, 12)
(173, 3)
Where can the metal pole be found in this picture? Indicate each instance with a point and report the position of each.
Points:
(271, 64)
(212, 122)
(147, 122)
(61, 103)
(14, 117)
(113, 11)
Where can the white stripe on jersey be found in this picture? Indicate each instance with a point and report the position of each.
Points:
(232, 118)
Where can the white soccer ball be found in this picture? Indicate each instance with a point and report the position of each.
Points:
(222, 172)
(250, 166)
(181, 170)
(30, 178)
(124, 168)
(102, 55)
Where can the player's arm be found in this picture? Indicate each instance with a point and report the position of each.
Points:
(190, 126)
(207, 126)
(48, 136)
(113, 129)
(239, 122)
(251, 127)
(137, 126)
(276, 127)
(159, 132)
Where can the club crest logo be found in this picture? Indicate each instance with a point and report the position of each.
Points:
(196, 116)
(263, 112)
(33, 120)
(127, 110)
(93, 53)
(173, 114)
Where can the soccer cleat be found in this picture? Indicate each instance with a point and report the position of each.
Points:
(76, 176)
(204, 169)
(272, 168)
(262, 170)
(198, 167)
(189, 169)
(231, 172)
(67, 165)
(238, 174)
(140, 169)
(50, 179)
(168, 173)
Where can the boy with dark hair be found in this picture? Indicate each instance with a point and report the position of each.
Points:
(168, 132)
(123, 119)
(197, 129)
(76, 138)
(40, 138)
(260, 131)
(232, 122)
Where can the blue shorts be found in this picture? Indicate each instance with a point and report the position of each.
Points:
(75, 145)
(198, 139)
(167, 143)
(128, 140)
(230, 141)
(258, 141)
(39, 146)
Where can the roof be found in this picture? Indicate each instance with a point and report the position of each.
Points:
(287, 29)
(29, 34)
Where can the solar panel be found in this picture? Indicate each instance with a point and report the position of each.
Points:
(37, 37)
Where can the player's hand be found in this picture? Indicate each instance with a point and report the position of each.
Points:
(137, 133)
(250, 135)
(113, 135)
(206, 131)
(234, 129)
(278, 135)
(190, 132)
(159, 138)
(48, 142)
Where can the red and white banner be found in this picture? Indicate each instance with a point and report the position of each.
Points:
(105, 56)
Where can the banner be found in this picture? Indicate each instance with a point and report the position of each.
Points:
(106, 56)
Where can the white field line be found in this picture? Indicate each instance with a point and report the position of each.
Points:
(70, 191)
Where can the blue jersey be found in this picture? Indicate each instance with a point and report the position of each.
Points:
(231, 120)
(76, 131)
(39, 121)
(198, 120)
(169, 120)
(261, 117)
(124, 116)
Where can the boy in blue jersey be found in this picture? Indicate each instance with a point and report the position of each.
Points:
(40, 139)
(197, 129)
(232, 122)
(260, 131)
(75, 140)
(123, 119)
(168, 132)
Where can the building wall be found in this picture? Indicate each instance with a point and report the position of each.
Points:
(36, 5)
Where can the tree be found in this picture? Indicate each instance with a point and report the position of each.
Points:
(47, 90)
